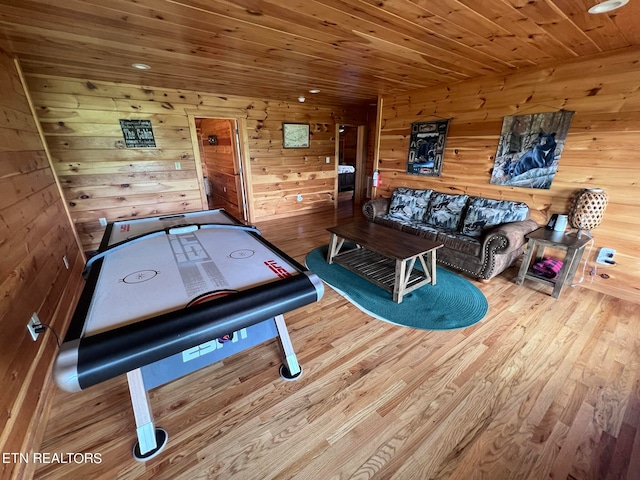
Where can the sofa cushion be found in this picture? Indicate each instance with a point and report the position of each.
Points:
(422, 230)
(460, 243)
(445, 210)
(484, 213)
(409, 204)
(391, 221)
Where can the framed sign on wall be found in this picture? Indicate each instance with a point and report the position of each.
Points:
(426, 147)
(295, 135)
(137, 133)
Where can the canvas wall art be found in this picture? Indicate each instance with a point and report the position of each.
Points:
(529, 149)
(426, 147)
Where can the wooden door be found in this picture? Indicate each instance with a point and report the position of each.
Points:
(221, 165)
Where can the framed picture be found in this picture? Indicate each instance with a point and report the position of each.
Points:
(529, 149)
(426, 147)
(295, 135)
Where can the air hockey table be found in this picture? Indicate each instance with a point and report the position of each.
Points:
(166, 296)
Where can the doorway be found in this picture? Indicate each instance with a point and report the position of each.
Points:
(222, 171)
(351, 155)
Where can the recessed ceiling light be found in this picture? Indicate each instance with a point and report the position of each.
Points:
(301, 99)
(607, 6)
(141, 66)
(314, 90)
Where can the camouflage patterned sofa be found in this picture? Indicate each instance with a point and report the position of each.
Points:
(481, 236)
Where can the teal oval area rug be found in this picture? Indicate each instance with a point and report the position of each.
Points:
(453, 302)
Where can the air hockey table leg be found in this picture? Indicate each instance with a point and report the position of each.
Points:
(151, 440)
(290, 368)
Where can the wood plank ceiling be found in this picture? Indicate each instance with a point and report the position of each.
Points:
(352, 50)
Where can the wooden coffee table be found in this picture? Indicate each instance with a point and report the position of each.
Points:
(384, 256)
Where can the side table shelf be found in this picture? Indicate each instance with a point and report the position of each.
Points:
(543, 238)
(531, 275)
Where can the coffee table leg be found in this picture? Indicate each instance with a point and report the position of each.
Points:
(334, 248)
(399, 283)
(429, 266)
(432, 266)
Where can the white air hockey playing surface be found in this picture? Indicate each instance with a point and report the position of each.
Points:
(165, 272)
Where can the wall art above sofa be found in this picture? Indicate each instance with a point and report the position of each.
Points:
(530, 148)
(426, 147)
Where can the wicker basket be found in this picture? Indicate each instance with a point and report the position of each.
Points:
(587, 208)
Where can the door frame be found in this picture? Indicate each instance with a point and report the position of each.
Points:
(242, 152)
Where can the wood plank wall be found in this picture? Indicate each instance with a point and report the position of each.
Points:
(35, 234)
(601, 148)
(101, 178)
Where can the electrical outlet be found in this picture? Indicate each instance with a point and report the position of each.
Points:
(34, 322)
(605, 256)
(327, 159)
(178, 166)
(103, 221)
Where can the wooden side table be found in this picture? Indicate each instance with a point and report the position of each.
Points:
(543, 238)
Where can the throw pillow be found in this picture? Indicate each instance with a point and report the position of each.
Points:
(445, 210)
(409, 204)
(485, 213)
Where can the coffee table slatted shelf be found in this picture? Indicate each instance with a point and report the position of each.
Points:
(375, 268)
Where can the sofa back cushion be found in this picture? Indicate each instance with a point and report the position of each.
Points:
(484, 213)
(409, 204)
(445, 210)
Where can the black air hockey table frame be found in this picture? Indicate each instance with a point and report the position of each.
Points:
(85, 360)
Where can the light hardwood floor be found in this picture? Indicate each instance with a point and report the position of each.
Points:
(540, 388)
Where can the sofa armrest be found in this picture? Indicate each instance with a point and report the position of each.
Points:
(512, 234)
(375, 208)
(506, 239)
